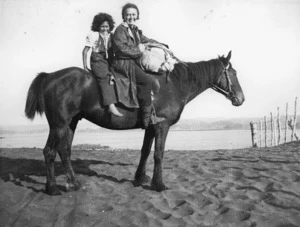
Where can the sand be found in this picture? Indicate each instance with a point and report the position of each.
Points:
(243, 187)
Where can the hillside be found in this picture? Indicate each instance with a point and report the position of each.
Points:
(202, 124)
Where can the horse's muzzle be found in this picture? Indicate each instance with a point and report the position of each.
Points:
(237, 100)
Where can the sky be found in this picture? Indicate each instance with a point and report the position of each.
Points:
(264, 36)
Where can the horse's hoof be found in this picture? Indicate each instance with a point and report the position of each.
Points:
(52, 191)
(159, 187)
(142, 180)
(73, 186)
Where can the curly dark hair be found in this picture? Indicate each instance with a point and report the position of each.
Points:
(101, 18)
(130, 5)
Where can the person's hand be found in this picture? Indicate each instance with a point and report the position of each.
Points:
(111, 80)
(141, 47)
(166, 45)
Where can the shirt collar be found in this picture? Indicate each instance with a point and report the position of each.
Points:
(105, 36)
(127, 25)
(130, 32)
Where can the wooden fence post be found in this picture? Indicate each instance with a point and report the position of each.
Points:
(275, 127)
(295, 120)
(275, 131)
(261, 131)
(272, 133)
(291, 125)
(286, 122)
(279, 126)
(266, 128)
(253, 133)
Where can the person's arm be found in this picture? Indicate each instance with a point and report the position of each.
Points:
(121, 44)
(84, 57)
(145, 39)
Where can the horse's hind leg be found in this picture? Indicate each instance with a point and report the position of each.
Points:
(60, 140)
(50, 154)
(66, 135)
(140, 175)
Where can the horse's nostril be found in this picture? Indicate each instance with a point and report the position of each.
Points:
(235, 101)
(238, 99)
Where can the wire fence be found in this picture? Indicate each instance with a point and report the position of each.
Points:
(275, 129)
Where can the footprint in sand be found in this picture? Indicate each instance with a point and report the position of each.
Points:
(182, 209)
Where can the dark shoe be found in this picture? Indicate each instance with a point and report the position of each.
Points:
(156, 119)
(149, 116)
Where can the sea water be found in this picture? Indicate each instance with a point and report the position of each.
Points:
(133, 139)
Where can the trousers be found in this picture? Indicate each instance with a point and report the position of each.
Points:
(100, 68)
(144, 86)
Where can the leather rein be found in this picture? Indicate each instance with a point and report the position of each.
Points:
(228, 94)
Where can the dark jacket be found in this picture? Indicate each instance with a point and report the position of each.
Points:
(125, 46)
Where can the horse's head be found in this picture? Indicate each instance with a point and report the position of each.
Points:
(227, 83)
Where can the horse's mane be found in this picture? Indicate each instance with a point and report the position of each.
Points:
(198, 72)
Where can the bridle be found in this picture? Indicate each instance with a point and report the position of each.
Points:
(228, 94)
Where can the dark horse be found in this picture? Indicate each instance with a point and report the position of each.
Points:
(68, 95)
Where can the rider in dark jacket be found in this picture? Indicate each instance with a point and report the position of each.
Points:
(128, 46)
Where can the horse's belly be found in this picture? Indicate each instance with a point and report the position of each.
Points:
(104, 119)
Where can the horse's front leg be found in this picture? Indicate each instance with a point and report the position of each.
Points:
(140, 175)
(161, 132)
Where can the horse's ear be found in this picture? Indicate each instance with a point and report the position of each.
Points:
(228, 57)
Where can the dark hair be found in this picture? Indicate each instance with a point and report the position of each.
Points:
(99, 19)
(130, 5)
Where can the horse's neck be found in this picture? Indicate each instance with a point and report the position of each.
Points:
(197, 77)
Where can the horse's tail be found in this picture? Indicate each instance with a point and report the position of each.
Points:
(35, 98)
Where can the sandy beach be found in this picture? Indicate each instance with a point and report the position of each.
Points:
(242, 187)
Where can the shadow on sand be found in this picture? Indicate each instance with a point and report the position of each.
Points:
(23, 172)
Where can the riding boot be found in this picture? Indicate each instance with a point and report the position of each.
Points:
(146, 114)
(149, 116)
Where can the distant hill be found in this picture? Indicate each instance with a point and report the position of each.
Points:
(214, 124)
(202, 124)
(220, 124)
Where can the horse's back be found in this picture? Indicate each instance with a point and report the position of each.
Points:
(69, 76)
(65, 91)
(71, 82)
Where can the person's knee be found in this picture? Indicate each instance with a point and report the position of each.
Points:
(144, 81)
(149, 80)
(144, 87)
